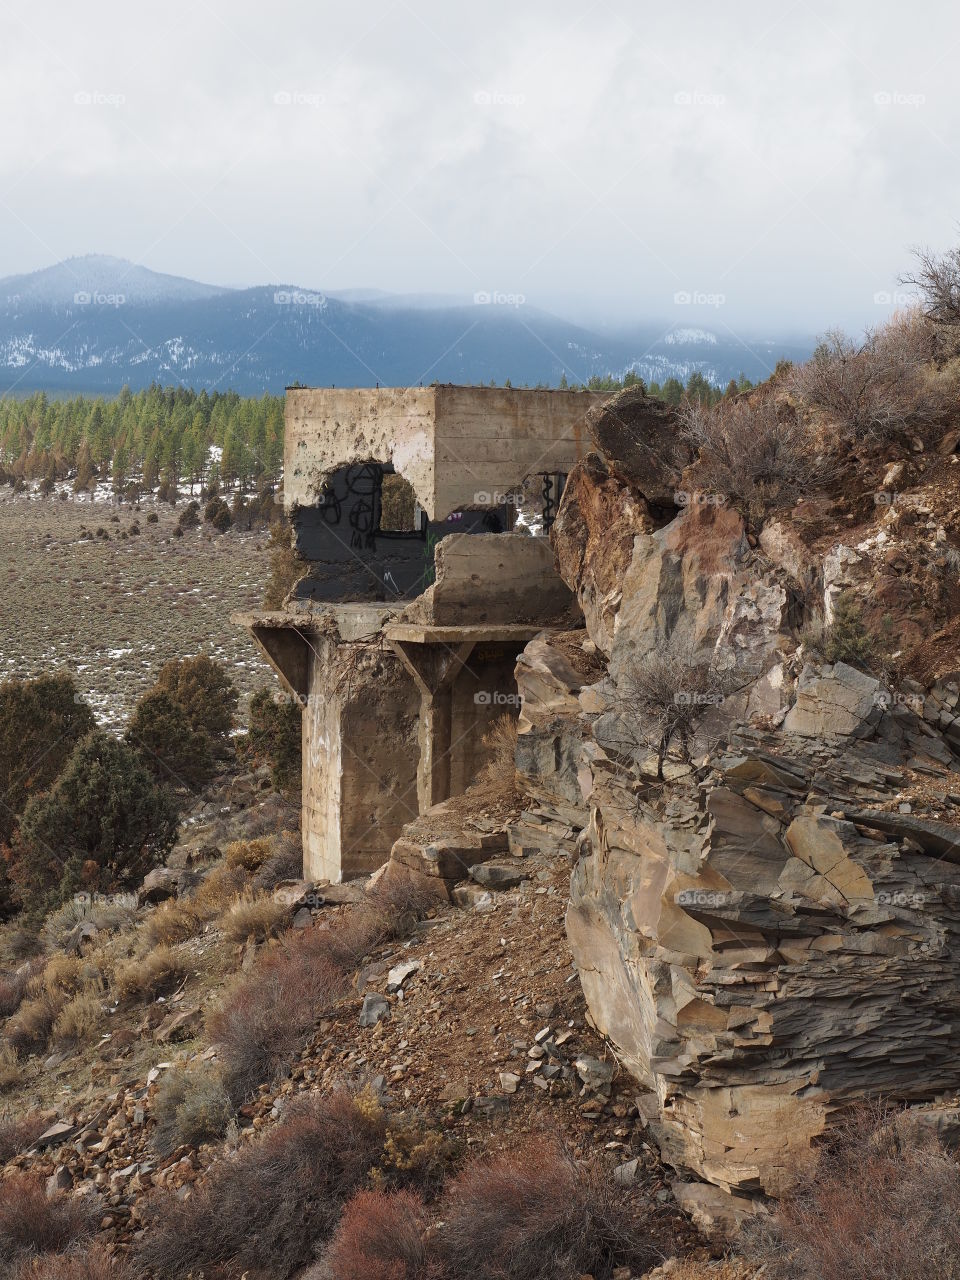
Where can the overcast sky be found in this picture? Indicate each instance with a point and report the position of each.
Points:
(775, 161)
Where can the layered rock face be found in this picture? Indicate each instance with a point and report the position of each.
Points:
(775, 932)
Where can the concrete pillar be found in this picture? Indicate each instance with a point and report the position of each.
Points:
(434, 668)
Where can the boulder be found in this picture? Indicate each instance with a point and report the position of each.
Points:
(835, 702)
(766, 945)
(597, 521)
(159, 884)
(638, 438)
(698, 584)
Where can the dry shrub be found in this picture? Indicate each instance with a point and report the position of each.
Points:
(267, 1209)
(501, 742)
(286, 863)
(17, 1133)
(380, 1237)
(258, 918)
(33, 1222)
(218, 891)
(754, 452)
(729, 1269)
(268, 1014)
(414, 1155)
(883, 1204)
(874, 390)
(189, 1106)
(537, 1214)
(248, 854)
(29, 1029)
(88, 1263)
(80, 1021)
(59, 976)
(171, 922)
(12, 989)
(108, 917)
(155, 974)
(9, 1067)
(668, 692)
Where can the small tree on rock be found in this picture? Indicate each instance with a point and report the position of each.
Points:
(668, 692)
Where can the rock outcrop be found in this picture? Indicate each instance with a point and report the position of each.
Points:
(775, 932)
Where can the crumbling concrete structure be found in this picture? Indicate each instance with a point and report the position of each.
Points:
(419, 515)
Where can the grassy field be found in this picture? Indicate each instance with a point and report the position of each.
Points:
(113, 609)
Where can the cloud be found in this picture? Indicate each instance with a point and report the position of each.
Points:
(598, 157)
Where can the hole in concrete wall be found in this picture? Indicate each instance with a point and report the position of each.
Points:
(399, 508)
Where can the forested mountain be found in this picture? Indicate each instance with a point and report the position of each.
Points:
(95, 324)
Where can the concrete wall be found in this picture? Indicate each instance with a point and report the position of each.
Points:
(498, 577)
(329, 427)
(454, 444)
(351, 558)
(359, 758)
(482, 693)
(489, 438)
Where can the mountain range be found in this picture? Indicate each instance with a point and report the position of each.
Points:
(95, 323)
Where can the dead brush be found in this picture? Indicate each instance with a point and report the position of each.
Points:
(18, 1133)
(80, 1021)
(538, 1214)
(248, 854)
(189, 1106)
(169, 923)
(217, 892)
(501, 742)
(883, 1204)
(77, 1264)
(265, 1210)
(257, 917)
(157, 973)
(380, 1236)
(31, 1222)
(59, 976)
(29, 1029)
(9, 1068)
(13, 987)
(285, 863)
(268, 1013)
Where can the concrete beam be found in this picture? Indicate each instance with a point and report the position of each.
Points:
(434, 668)
(288, 652)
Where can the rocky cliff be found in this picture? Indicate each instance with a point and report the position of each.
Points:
(773, 931)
